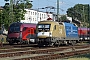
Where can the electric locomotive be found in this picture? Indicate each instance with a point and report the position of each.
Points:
(21, 32)
(52, 33)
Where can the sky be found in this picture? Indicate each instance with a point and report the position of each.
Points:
(63, 4)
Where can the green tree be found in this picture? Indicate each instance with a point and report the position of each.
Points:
(63, 17)
(5, 16)
(14, 12)
(80, 12)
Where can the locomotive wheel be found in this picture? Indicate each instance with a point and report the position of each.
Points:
(66, 42)
(52, 44)
(73, 42)
(17, 42)
(21, 42)
(40, 45)
(10, 42)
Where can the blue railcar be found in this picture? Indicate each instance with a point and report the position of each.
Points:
(71, 31)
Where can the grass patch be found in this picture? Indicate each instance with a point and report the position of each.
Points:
(80, 57)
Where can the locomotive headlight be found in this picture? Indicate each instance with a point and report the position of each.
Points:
(88, 37)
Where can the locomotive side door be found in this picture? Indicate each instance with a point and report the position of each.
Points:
(32, 35)
(25, 33)
(55, 31)
(31, 31)
(61, 31)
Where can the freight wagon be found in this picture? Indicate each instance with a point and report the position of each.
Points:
(55, 33)
(21, 33)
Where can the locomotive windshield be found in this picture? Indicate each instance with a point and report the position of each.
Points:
(14, 28)
(44, 27)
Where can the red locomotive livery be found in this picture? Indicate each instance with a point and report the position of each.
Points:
(84, 33)
(21, 32)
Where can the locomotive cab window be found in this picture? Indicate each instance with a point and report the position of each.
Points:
(44, 27)
(14, 28)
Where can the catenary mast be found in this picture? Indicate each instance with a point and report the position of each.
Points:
(11, 11)
(57, 10)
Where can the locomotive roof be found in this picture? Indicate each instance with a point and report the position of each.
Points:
(69, 24)
(42, 22)
(24, 24)
(58, 23)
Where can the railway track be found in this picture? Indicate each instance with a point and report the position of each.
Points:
(34, 53)
(56, 56)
